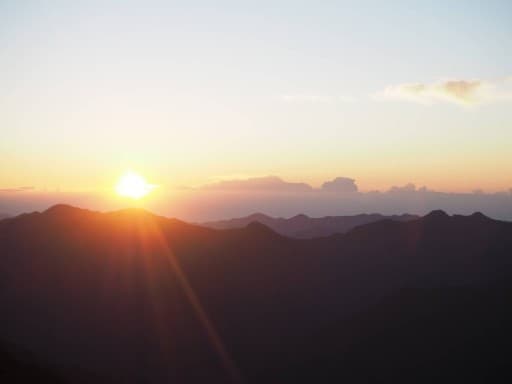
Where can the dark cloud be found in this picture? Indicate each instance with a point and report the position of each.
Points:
(410, 187)
(258, 184)
(341, 185)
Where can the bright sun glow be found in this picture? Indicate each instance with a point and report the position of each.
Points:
(133, 185)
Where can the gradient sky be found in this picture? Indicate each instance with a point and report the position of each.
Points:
(191, 92)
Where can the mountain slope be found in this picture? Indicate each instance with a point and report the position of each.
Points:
(132, 297)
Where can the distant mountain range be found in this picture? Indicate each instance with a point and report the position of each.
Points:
(130, 297)
(304, 227)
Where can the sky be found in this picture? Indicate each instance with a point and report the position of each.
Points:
(191, 93)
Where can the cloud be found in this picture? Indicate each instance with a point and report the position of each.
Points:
(335, 197)
(460, 91)
(276, 197)
(16, 189)
(341, 185)
(305, 98)
(258, 184)
(410, 187)
(317, 99)
(276, 184)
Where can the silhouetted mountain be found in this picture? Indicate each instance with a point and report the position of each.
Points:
(4, 216)
(304, 227)
(18, 366)
(131, 297)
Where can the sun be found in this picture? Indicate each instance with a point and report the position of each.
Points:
(133, 185)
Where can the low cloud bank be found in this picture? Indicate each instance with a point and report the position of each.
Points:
(276, 197)
(339, 196)
(268, 183)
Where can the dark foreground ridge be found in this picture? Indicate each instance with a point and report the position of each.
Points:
(130, 297)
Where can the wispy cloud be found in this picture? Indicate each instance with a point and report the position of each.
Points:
(16, 189)
(316, 98)
(458, 91)
(305, 98)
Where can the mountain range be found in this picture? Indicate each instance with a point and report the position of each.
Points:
(131, 297)
(302, 226)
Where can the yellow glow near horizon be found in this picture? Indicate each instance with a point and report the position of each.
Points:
(133, 185)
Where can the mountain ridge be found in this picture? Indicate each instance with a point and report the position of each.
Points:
(129, 296)
(303, 226)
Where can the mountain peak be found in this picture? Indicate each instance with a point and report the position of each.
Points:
(300, 216)
(479, 215)
(60, 208)
(258, 216)
(436, 214)
(64, 209)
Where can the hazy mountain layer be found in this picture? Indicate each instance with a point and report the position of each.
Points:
(302, 226)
